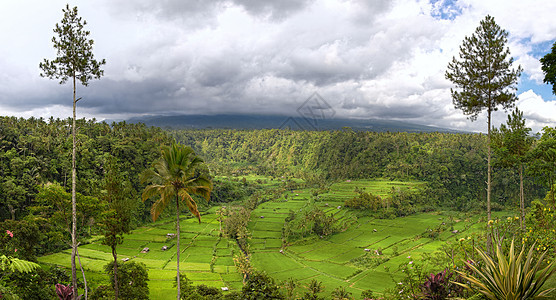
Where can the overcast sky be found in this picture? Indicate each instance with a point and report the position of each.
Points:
(367, 59)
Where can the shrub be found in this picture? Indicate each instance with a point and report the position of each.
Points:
(315, 287)
(260, 286)
(340, 293)
(132, 280)
(438, 287)
(209, 292)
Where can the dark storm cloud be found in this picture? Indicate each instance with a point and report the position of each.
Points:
(366, 58)
(273, 8)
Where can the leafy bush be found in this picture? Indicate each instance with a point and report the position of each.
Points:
(340, 293)
(260, 286)
(312, 220)
(315, 287)
(132, 280)
(509, 277)
(439, 286)
(364, 201)
(209, 292)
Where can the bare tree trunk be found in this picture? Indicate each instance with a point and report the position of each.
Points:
(73, 201)
(82, 272)
(115, 255)
(521, 199)
(489, 237)
(178, 242)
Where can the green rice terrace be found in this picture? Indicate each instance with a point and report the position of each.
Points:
(363, 255)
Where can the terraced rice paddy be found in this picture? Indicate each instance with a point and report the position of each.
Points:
(329, 259)
(207, 258)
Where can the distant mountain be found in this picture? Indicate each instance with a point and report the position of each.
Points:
(281, 122)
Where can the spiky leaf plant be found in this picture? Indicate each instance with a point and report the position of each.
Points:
(509, 277)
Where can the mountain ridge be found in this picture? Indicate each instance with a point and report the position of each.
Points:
(239, 121)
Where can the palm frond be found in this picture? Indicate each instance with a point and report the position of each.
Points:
(178, 171)
(15, 264)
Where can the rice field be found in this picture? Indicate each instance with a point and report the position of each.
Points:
(207, 258)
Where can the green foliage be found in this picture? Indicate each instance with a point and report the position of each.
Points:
(187, 290)
(312, 220)
(544, 159)
(340, 293)
(74, 51)
(541, 229)
(132, 279)
(19, 238)
(453, 165)
(235, 223)
(120, 202)
(512, 142)
(228, 191)
(209, 292)
(13, 264)
(367, 294)
(178, 174)
(409, 287)
(260, 286)
(314, 288)
(483, 75)
(290, 286)
(36, 285)
(548, 63)
(364, 201)
(509, 276)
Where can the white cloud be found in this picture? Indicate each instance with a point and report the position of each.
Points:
(536, 111)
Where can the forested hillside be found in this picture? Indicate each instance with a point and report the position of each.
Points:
(453, 165)
(35, 153)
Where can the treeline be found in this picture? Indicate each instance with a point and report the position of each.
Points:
(454, 165)
(35, 171)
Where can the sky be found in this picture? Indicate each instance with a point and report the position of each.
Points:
(367, 59)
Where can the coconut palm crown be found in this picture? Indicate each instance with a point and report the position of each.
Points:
(177, 175)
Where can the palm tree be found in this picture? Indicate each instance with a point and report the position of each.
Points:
(177, 175)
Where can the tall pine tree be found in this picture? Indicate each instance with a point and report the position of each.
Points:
(484, 78)
(74, 61)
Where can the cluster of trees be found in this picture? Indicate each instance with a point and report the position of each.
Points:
(35, 184)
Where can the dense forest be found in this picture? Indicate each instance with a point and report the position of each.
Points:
(35, 157)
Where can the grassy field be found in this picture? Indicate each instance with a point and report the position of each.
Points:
(208, 258)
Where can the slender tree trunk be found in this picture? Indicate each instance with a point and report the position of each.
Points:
(73, 200)
(521, 199)
(489, 237)
(116, 289)
(83, 273)
(178, 242)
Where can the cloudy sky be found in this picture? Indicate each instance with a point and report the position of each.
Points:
(367, 58)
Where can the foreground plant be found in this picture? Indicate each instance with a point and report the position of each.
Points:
(437, 287)
(511, 277)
